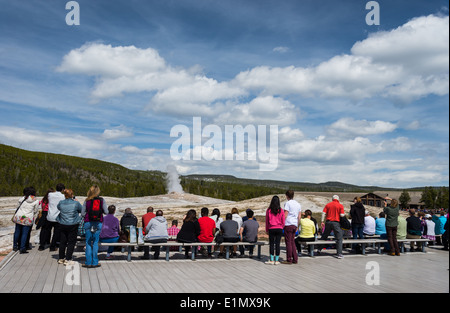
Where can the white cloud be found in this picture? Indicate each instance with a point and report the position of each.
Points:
(116, 133)
(348, 126)
(281, 49)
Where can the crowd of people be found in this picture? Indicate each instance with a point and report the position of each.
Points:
(60, 213)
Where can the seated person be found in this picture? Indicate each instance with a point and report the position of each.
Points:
(110, 230)
(207, 229)
(369, 225)
(189, 230)
(229, 230)
(249, 232)
(156, 232)
(308, 231)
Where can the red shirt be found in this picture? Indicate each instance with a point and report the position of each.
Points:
(333, 211)
(207, 227)
(145, 219)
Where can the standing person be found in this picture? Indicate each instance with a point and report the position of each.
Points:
(249, 232)
(357, 212)
(293, 211)
(333, 212)
(42, 224)
(94, 207)
(275, 220)
(68, 219)
(207, 229)
(189, 230)
(392, 214)
(413, 229)
(53, 200)
(24, 216)
(110, 230)
(156, 232)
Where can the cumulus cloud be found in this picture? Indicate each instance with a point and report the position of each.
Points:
(348, 126)
(116, 133)
(406, 63)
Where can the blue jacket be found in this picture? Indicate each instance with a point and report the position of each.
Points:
(69, 212)
(380, 226)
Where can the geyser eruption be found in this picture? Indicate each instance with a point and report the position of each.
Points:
(173, 180)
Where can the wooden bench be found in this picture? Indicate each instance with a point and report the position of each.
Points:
(364, 243)
(169, 244)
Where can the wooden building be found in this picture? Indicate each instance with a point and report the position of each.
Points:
(377, 198)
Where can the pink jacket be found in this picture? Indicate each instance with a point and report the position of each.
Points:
(274, 221)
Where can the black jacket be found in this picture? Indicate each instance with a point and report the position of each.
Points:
(357, 212)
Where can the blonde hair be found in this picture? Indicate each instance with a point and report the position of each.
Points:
(234, 211)
(93, 192)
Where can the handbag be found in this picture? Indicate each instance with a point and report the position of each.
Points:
(345, 223)
(18, 219)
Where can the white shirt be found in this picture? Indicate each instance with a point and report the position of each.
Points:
(369, 225)
(53, 200)
(294, 209)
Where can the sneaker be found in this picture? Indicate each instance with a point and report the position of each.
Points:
(270, 262)
(276, 263)
(286, 262)
(340, 256)
(61, 261)
(69, 262)
(109, 257)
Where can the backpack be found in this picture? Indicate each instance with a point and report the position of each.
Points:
(94, 209)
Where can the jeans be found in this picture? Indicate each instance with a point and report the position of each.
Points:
(110, 240)
(357, 231)
(92, 239)
(157, 249)
(20, 236)
(291, 250)
(338, 234)
(274, 241)
(68, 239)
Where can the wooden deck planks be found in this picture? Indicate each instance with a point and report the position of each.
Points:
(313, 275)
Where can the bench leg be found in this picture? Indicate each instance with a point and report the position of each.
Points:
(379, 248)
(167, 253)
(259, 251)
(402, 247)
(311, 252)
(193, 251)
(424, 244)
(129, 254)
(227, 253)
(363, 248)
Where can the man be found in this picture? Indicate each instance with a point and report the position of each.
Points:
(249, 232)
(369, 225)
(292, 210)
(229, 230)
(333, 212)
(207, 229)
(128, 219)
(414, 229)
(147, 217)
(53, 200)
(156, 231)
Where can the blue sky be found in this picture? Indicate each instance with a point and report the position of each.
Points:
(355, 103)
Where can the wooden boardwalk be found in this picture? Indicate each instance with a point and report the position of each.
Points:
(38, 272)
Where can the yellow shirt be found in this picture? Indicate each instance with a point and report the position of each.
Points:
(307, 228)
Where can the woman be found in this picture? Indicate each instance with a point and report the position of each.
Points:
(392, 212)
(68, 219)
(189, 230)
(93, 209)
(215, 215)
(308, 231)
(110, 230)
(274, 227)
(27, 208)
(236, 217)
(43, 206)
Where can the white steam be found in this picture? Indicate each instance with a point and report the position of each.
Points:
(173, 180)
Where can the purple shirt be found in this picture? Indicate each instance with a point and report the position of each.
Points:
(110, 227)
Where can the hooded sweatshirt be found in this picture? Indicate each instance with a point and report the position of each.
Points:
(358, 212)
(27, 210)
(156, 229)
